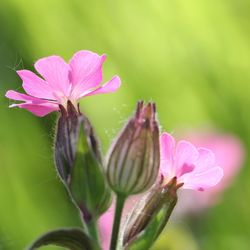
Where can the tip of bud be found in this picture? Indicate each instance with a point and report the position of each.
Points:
(63, 110)
(172, 186)
(70, 111)
(145, 113)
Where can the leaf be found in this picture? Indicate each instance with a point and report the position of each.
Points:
(72, 239)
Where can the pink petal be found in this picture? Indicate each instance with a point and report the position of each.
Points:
(203, 180)
(105, 224)
(11, 94)
(110, 86)
(186, 155)
(205, 160)
(40, 110)
(34, 85)
(105, 221)
(229, 153)
(167, 145)
(56, 72)
(35, 105)
(86, 70)
(185, 169)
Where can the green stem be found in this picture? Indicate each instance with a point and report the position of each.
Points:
(92, 229)
(120, 200)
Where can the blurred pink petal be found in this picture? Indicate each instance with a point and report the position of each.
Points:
(203, 180)
(185, 157)
(228, 152)
(206, 158)
(167, 152)
(193, 167)
(62, 82)
(105, 222)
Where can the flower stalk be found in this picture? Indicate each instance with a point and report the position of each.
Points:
(120, 201)
(93, 230)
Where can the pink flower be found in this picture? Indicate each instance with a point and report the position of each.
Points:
(105, 224)
(228, 150)
(62, 82)
(229, 153)
(194, 167)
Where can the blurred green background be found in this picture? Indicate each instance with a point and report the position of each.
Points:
(191, 57)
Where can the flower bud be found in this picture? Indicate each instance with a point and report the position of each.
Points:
(67, 132)
(150, 215)
(133, 161)
(79, 164)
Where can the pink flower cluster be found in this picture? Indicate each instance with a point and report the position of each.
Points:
(194, 167)
(62, 82)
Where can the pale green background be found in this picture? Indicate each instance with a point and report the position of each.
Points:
(191, 57)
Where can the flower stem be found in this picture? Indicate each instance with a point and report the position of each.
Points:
(92, 229)
(120, 200)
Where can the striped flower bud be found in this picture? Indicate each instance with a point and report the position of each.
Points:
(150, 215)
(67, 132)
(133, 161)
(79, 164)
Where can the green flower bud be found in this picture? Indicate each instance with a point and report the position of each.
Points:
(79, 163)
(149, 216)
(133, 161)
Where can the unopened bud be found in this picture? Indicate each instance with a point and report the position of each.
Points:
(67, 132)
(142, 224)
(79, 164)
(133, 161)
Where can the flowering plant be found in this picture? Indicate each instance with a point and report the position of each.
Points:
(139, 161)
